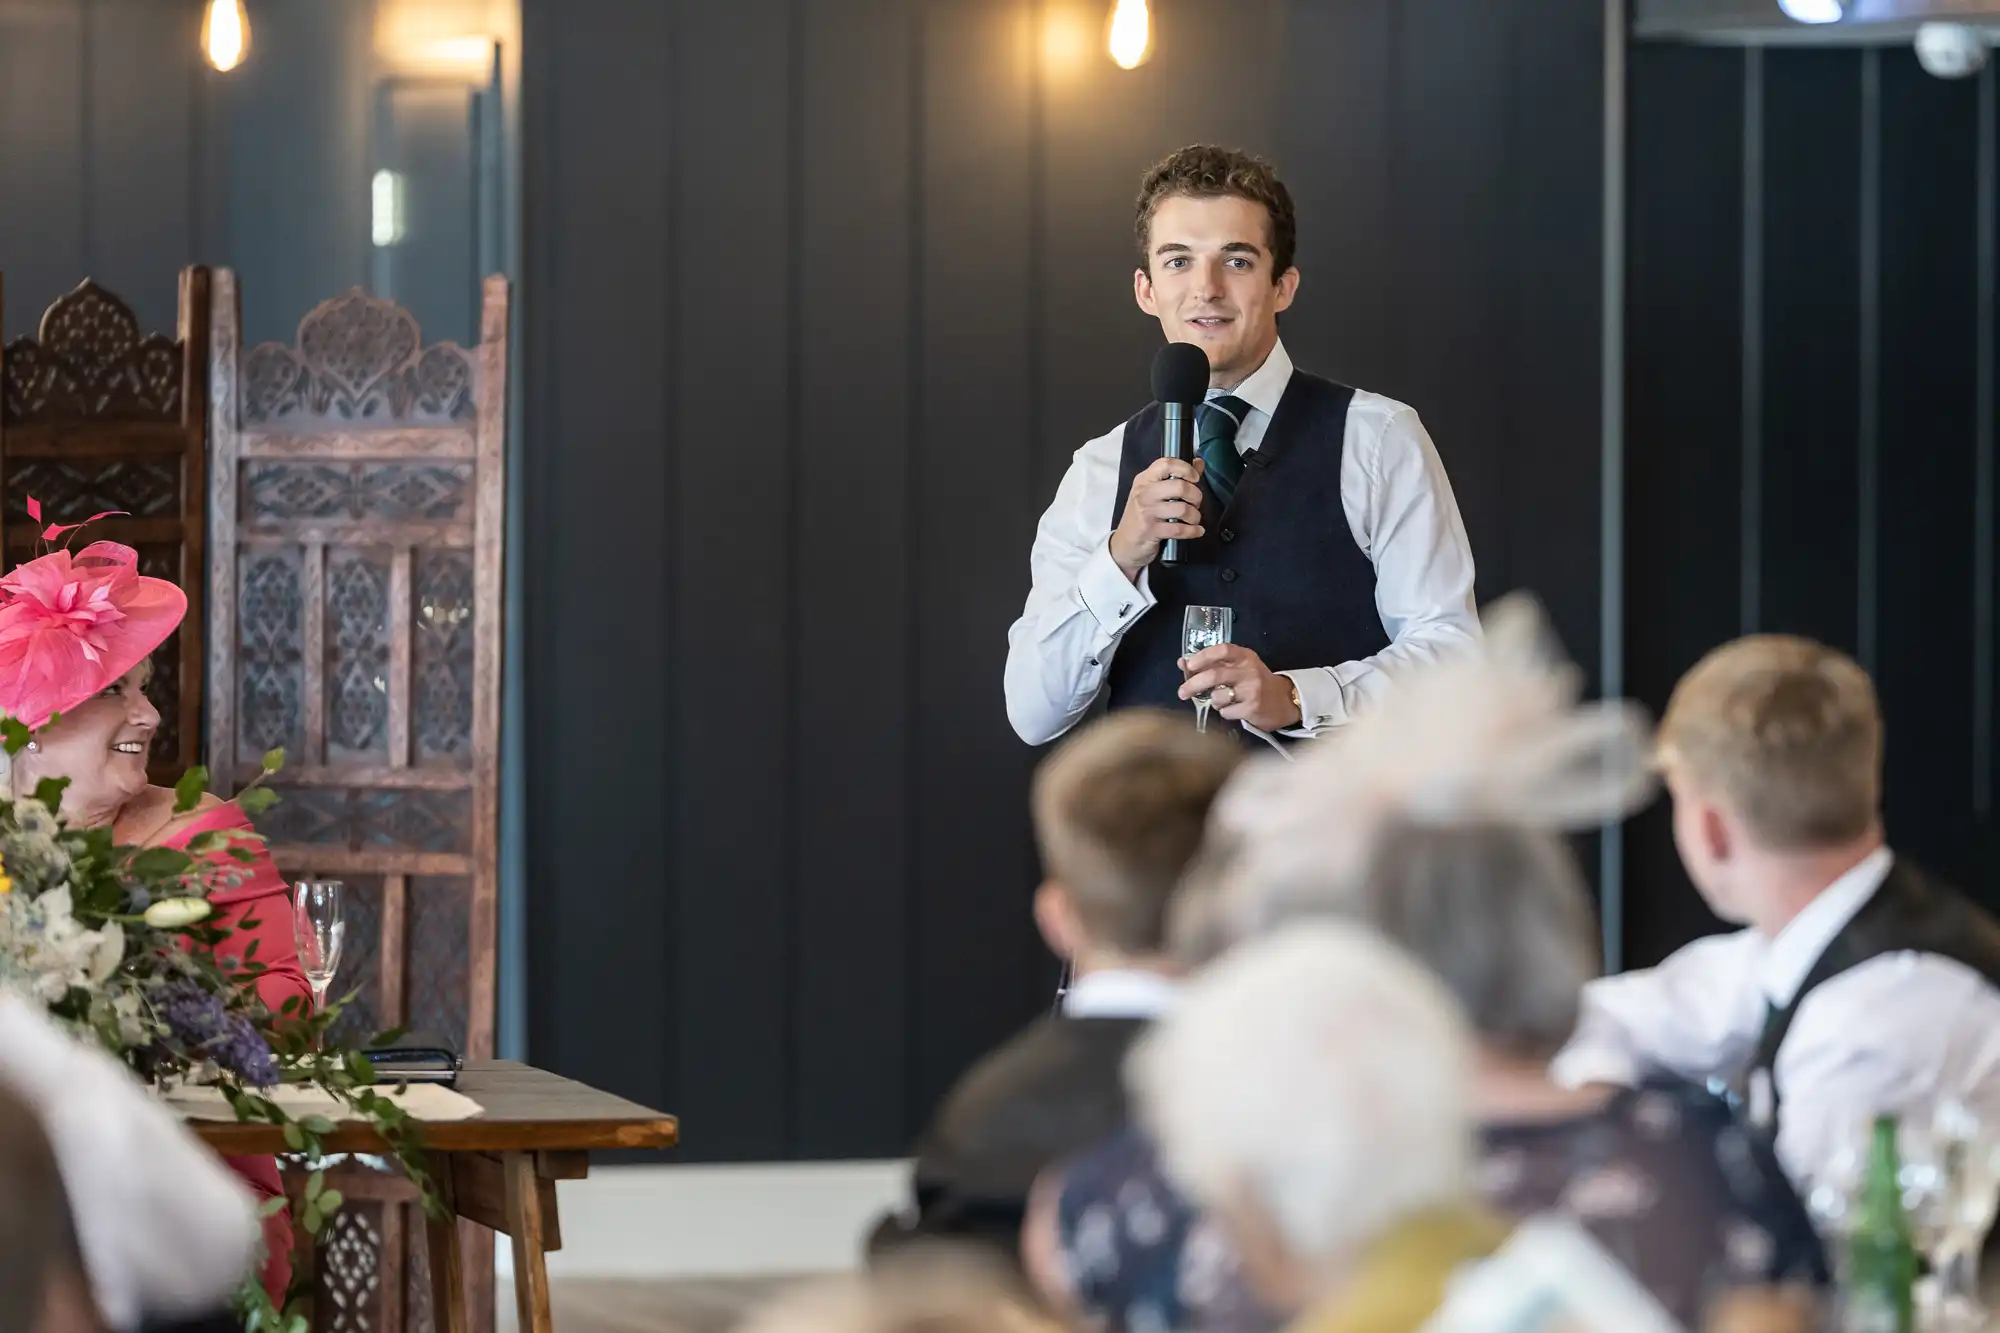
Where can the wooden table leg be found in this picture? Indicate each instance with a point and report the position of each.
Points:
(448, 1312)
(524, 1224)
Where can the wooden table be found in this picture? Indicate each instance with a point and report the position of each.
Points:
(497, 1169)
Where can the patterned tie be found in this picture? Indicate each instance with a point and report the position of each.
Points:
(1218, 422)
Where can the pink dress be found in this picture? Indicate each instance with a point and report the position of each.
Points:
(262, 896)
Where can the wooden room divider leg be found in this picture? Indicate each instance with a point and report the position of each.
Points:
(524, 1224)
(448, 1314)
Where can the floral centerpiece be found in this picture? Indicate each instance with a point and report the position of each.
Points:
(115, 943)
(123, 944)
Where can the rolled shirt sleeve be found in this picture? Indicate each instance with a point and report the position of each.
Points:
(1398, 504)
(1696, 1015)
(1080, 605)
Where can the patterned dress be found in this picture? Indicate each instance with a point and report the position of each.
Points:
(1663, 1176)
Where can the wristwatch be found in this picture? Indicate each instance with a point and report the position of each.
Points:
(1298, 705)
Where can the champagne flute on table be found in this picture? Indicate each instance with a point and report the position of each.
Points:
(1205, 627)
(1834, 1191)
(1970, 1156)
(319, 930)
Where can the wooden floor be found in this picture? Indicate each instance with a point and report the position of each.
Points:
(625, 1305)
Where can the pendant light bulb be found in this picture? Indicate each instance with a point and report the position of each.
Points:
(225, 34)
(1129, 34)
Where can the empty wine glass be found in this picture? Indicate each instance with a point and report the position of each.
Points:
(318, 928)
(1926, 1196)
(1970, 1158)
(1925, 1178)
(1835, 1187)
(1205, 627)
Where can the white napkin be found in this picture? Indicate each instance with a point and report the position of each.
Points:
(424, 1101)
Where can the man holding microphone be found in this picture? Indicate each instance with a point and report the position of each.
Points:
(1320, 514)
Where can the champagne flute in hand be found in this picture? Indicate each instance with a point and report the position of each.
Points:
(318, 928)
(1205, 627)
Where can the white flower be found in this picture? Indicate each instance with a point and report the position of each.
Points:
(35, 819)
(43, 948)
(173, 913)
(110, 952)
(133, 1029)
(35, 857)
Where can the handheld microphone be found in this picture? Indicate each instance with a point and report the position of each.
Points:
(1180, 381)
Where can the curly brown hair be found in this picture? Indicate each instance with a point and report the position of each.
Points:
(1204, 171)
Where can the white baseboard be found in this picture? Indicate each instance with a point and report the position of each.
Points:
(718, 1221)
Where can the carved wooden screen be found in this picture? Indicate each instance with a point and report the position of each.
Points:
(357, 503)
(96, 416)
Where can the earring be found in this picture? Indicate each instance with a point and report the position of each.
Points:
(34, 747)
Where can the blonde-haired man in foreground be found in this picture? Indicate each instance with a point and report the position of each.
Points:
(1119, 810)
(1859, 985)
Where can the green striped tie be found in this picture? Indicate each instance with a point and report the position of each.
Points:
(1219, 420)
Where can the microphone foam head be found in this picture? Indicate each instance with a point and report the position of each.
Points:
(1180, 374)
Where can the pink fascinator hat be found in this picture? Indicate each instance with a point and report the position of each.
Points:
(73, 624)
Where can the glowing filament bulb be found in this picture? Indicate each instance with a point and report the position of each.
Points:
(1131, 33)
(225, 34)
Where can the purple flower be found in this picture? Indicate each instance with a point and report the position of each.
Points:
(248, 1054)
(204, 1028)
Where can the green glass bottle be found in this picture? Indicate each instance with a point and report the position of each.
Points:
(1881, 1255)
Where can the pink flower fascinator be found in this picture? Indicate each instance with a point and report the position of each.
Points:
(72, 624)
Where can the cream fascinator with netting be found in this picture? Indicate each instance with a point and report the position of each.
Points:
(1491, 735)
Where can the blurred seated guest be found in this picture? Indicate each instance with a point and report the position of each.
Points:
(76, 637)
(166, 1231)
(1858, 984)
(1312, 1091)
(1453, 865)
(43, 1286)
(1118, 811)
(1112, 1244)
(1663, 1176)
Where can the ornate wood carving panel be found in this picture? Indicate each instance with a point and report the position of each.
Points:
(351, 1255)
(95, 416)
(91, 363)
(356, 504)
(368, 1268)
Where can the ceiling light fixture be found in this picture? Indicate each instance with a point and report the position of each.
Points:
(225, 34)
(1129, 33)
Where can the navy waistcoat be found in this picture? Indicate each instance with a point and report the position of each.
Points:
(1281, 555)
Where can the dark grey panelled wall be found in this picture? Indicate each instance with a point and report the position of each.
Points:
(818, 300)
(1811, 415)
(124, 157)
(104, 152)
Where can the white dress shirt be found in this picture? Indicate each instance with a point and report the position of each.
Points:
(1119, 993)
(1901, 1032)
(165, 1228)
(1397, 502)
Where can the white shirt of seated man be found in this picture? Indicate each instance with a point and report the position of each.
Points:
(1902, 1032)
